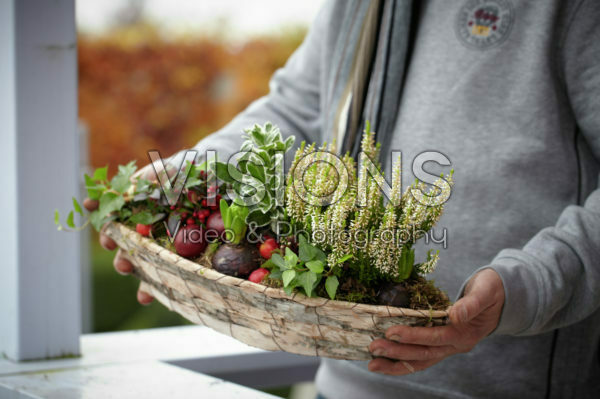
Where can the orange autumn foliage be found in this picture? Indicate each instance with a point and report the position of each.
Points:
(167, 95)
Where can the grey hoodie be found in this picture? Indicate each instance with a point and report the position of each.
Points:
(511, 95)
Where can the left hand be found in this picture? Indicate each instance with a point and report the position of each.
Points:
(473, 317)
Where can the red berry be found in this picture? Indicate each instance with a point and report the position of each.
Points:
(267, 248)
(190, 221)
(172, 207)
(203, 203)
(258, 275)
(143, 229)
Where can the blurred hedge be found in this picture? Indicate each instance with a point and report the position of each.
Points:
(137, 92)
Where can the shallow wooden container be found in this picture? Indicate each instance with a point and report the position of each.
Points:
(258, 315)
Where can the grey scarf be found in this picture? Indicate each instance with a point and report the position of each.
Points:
(382, 35)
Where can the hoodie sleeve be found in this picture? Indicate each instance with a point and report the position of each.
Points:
(293, 102)
(554, 280)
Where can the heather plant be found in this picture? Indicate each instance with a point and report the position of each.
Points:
(346, 215)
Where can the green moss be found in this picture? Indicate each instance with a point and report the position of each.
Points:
(425, 295)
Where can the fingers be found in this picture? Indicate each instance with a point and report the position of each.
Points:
(90, 204)
(429, 336)
(107, 242)
(143, 297)
(483, 291)
(148, 172)
(393, 350)
(465, 309)
(390, 367)
(121, 264)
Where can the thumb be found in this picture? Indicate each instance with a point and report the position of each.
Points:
(479, 296)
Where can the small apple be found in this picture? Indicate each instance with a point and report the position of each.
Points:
(143, 229)
(267, 248)
(258, 275)
(190, 241)
(215, 222)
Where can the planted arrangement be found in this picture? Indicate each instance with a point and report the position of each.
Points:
(325, 230)
(319, 262)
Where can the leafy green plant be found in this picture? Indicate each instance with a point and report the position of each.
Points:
(112, 196)
(258, 180)
(304, 270)
(234, 221)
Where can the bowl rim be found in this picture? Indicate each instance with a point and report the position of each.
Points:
(203, 271)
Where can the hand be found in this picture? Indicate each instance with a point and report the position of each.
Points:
(120, 262)
(473, 317)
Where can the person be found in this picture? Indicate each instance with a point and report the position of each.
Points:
(509, 91)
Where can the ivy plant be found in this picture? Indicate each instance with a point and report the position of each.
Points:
(304, 270)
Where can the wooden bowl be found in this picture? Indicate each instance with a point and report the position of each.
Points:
(258, 315)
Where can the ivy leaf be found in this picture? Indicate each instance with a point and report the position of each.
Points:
(77, 207)
(268, 264)
(70, 221)
(320, 255)
(331, 286)
(288, 276)
(290, 257)
(121, 181)
(315, 266)
(94, 190)
(110, 202)
(305, 250)
(290, 288)
(275, 274)
(97, 220)
(143, 185)
(100, 174)
(307, 280)
(279, 262)
(309, 252)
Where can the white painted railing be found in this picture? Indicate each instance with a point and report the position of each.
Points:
(39, 271)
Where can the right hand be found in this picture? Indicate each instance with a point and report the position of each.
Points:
(121, 263)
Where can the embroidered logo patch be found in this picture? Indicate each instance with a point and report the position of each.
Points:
(484, 24)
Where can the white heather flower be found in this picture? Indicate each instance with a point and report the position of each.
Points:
(429, 265)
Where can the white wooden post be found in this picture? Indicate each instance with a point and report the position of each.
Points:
(39, 267)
